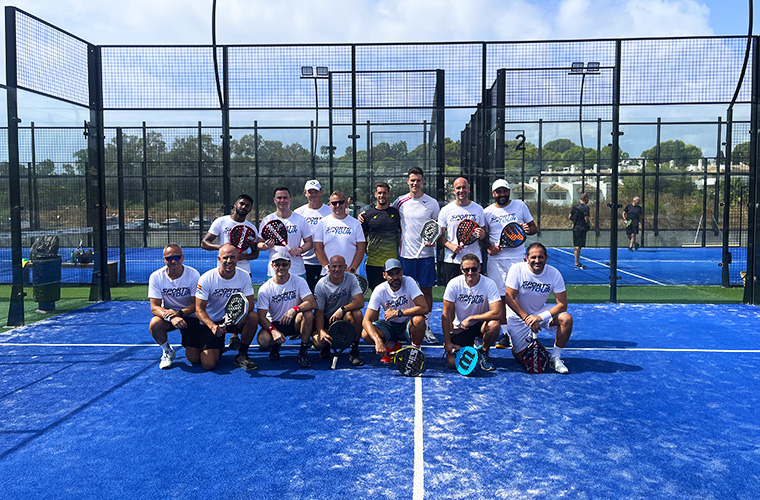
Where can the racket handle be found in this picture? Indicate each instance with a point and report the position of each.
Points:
(334, 362)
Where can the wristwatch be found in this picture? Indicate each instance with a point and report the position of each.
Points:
(400, 312)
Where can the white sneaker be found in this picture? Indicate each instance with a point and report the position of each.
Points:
(166, 359)
(429, 337)
(559, 366)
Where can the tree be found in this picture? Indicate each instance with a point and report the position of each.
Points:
(559, 145)
(740, 154)
(677, 151)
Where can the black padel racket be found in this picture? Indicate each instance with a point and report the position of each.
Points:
(535, 357)
(242, 237)
(363, 283)
(409, 361)
(512, 236)
(275, 230)
(466, 232)
(235, 309)
(342, 335)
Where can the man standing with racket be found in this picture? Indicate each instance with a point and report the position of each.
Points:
(313, 212)
(285, 308)
(214, 288)
(339, 234)
(529, 285)
(471, 310)
(580, 215)
(417, 257)
(463, 223)
(285, 230)
(404, 309)
(171, 291)
(382, 229)
(632, 217)
(499, 215)
(339, 298)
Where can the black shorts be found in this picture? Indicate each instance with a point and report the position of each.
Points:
(450, 271)
(579, 236)
(313, 273)
(287, 330)
(200, 337)
(632, 229)
(375, 276)
(467, 336)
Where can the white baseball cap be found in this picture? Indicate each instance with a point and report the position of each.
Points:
(280, 256)
(499, 183)
(313, 184)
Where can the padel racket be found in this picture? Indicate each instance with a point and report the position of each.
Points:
(466, 360)
(535, 357)
(429, 234)
(242, 237)
(235, 309)
(275, 230)
(512, 236)
(363, 283)
(466, 232)
(410, 361)
(342, 335)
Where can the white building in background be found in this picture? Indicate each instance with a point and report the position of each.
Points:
(561, 187)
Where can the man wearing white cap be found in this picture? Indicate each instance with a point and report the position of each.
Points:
(502, 212)
(313, 212)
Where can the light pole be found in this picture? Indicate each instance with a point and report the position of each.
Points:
(307, 72)
(576, 68)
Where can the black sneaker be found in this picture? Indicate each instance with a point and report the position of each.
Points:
(274, 352)
(504, 342)
(303, 360)
(485, 361)
(243, 361)
(355, 358)
(636, 246)
(234, 344)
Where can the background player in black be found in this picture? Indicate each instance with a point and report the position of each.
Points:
(580, 215)
(632, 216)
(382, 229)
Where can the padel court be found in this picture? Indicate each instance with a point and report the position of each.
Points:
(660, 402)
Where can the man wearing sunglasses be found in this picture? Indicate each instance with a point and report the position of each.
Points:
(471, 310)
(339, 234)
(171, 291)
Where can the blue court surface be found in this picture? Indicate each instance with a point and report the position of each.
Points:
(661, 402)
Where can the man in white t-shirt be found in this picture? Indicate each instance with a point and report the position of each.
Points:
(471, 309)
(404, 308)
(462, 208)
(502, 212)
(339, 234)
(285, 307)
(313, 212)
(214, 288)
(171, 291)
(529, 285)
(339, 297)
(298, 233)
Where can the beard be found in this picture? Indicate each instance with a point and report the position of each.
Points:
(502, 200)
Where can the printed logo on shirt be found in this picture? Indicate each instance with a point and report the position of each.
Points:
(176, 292)
(397, 303)
(471, 299)
(532, 286)
(338, 230)
(461, 217)
(283, 297)
(223, 292)
(313, 221)
(335, 297)
(502, 219)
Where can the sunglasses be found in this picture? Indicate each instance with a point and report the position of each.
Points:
(468, 270)
(337, 203)
(281, 264)
(173, 258)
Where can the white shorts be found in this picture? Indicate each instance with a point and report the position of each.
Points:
(520, 333)
(497, 271)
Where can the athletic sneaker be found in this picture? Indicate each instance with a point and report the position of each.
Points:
(355, 358)
(504, 342)
(559, 366)
(303, 360)
(243, 361)
(630, 249)
(429, 337)
(580, 266)
(274, 353)
(636, 246)
(234, 344)
(485, 361)
(166, 359)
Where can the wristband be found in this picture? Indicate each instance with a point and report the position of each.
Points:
(270, 328)
(298, 309)
(544, 316)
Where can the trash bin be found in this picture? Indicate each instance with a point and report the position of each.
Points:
(46, 272)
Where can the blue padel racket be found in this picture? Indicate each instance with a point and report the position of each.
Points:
(342, 335)
(535, 357)
(466, 360)
(409, 361)
(242, 237)
(512, 236)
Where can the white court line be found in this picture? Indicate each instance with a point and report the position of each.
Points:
(419, 457)
(619, 270)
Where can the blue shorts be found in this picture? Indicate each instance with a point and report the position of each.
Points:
(393, 330)
(422, 270)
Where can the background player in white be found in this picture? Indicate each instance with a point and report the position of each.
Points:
(339, 234)
(313, 212)
(529, 285)
(502, 212)
(285, 307)
(339, 297)
(415, 208)
(171, 291)
(214, 288)
(462, 208)
(299, 233)
(404, 309)
(471, 309)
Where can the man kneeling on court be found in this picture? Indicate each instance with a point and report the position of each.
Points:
(339, 297)
(285, 308)
(404, 309)
(471, 309)
(214, 288)
(529, 285)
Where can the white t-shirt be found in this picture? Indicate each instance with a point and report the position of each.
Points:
(471, 300)
(450, 217)
(403, 298)
(216, 290)
(339, 236)
(533, 290)
(330, 296)
(297, 229)
(221, 228)
(414, 213)
(312, 216)
(497, 218)
(277, 299)
(174, 294)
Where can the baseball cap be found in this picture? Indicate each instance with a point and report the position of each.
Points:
(392, 264)
(313, 184)
(499, 183)
(279, 256)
